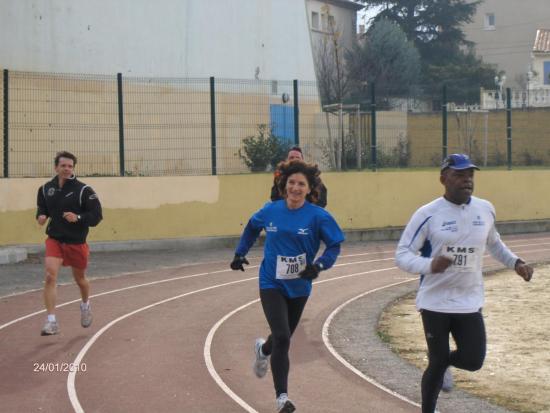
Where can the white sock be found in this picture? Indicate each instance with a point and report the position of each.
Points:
(51, 318)
(85, 305)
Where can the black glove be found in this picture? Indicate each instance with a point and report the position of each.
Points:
(310, 272)
(237, 263)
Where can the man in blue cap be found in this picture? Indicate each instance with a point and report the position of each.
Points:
(445, 241)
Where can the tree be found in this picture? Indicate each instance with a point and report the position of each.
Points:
(386, 58)
(330, 66)
(435, 27)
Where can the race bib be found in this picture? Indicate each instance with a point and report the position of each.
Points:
(288, 268)
(465, 259)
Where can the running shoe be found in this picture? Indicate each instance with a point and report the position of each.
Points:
(50, 328)
(284, 405)
(85, 315)
(448, 381)
(261, 361)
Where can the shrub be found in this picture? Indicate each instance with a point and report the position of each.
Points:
(263, 150)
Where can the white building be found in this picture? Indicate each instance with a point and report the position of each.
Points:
(326, 15)
(240, 39)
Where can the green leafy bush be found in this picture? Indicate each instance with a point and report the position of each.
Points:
(263, 150)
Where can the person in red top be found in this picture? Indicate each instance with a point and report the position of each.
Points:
(71, 207)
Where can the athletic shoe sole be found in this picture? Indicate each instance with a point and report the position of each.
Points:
(288, 407)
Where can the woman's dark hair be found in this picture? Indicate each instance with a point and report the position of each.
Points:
(64, 154)
(310, 171)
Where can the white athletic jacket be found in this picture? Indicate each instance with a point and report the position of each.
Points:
(461, 232)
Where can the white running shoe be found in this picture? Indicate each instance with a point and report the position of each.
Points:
(448, 381)
(261, 361)
(85, 316)
(284, 405)
(50, 328)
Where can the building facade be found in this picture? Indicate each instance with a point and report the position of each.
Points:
(238, 39)
(329, 17)
(504, 31)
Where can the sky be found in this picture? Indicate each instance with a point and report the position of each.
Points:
(363, 16)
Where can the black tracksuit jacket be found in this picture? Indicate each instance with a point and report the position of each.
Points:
(75, 196)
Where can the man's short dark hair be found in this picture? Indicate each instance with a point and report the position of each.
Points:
(64, 154)
(296, 148)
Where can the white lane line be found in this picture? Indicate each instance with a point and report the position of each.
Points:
(210, 337)
(219, 381)
(72, 374)
(210, 365)
(9, 323)
(337, 356)
(117, 291)
(213, 272)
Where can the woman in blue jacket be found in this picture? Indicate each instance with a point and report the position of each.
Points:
(294, 229)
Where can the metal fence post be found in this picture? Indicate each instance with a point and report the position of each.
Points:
(213, 124)
(6, 124)
(373, 125)
(296, 114)
(120, 125)
(444, 121)
(509, 125)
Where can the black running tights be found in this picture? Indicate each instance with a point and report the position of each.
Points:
(282, 314)
(468, 331)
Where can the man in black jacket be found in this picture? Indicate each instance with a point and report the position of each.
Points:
(71, 207)
(295, 153)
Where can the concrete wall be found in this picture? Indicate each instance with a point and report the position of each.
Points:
(237, 39)
(179, 207)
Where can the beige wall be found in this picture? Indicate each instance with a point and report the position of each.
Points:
(178, 207)
(472, 132)
(167, 123)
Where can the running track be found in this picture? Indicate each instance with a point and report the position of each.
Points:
(180, 340)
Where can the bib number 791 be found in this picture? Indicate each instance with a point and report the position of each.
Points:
(460, 260)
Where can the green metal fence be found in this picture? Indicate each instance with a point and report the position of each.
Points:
(132, 126)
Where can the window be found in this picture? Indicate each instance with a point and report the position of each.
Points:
(314, 20)
(546, 72)
(324, 25)
(489, 21)
(331, 23)
(274, 87)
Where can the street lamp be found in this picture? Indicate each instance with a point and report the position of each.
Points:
(499, 83)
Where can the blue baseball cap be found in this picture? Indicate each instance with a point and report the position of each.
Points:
(458, 161)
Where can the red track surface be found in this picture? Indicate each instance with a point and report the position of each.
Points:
(148, 348)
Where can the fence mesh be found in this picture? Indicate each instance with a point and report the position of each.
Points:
(50, 112)
(168, 126)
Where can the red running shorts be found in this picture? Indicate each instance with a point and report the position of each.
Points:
(73, 255)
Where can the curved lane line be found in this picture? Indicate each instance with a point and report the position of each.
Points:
(210, 337)
(208, 273)
(219, 381)
(349, 366)
(116, 291)
(210, 365)
(72, 375)
(160, 282)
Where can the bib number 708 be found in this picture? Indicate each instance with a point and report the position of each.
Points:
(293, 268)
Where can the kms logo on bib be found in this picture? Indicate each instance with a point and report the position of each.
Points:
(460, 250)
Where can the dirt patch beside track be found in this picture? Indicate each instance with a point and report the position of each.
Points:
(516, 373)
